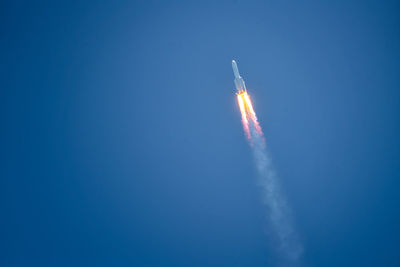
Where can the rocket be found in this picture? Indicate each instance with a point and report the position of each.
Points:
(239, 82)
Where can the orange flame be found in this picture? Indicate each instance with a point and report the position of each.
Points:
(248, 114)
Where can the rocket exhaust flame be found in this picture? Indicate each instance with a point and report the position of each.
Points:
(243, 111)
(247, 111)
(279, 216)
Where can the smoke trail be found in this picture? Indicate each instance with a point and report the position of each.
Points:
(281, 227)
(279, 215)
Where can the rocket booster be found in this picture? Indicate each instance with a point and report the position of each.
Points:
(239, 82)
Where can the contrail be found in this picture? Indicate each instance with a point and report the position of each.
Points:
(282, 231)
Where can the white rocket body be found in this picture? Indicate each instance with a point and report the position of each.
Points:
(239, 82)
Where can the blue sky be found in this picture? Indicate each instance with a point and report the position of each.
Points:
(122, 143)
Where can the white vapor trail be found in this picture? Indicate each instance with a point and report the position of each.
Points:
(281, 226)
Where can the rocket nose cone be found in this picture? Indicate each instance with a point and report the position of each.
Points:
(235, 69)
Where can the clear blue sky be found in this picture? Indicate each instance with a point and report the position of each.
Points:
(122, 145)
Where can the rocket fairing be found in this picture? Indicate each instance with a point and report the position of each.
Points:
(239, 82)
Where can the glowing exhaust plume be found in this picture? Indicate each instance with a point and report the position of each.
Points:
(247, 111)
(281, 227)
(245, 121)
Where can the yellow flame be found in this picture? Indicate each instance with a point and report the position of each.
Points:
(245, 121)
(248, 113)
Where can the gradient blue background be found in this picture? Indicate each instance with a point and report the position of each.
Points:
(122, 144)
